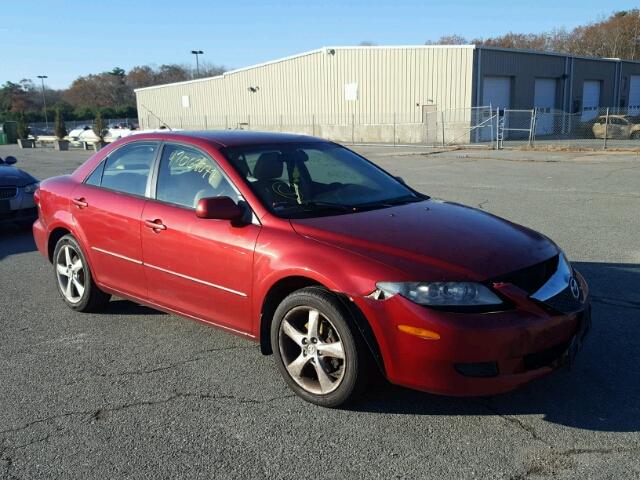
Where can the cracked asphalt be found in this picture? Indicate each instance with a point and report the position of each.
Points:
(135, 393)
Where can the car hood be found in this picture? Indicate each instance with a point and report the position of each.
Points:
(14, 177)
(433, 240)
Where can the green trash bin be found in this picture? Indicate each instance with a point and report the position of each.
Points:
(10, 129)
(3, 138)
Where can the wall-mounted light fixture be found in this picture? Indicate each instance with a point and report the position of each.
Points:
(330, 51)
(253, 89)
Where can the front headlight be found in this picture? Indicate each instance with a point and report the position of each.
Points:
(442, 294)
(31, 187)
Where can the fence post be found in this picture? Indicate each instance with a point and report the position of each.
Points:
(442, 121)
(606, 130)
(353, 128)
(532, 123)
(498, 133)
(490, 123)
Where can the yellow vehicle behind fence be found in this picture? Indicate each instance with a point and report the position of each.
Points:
(617, 127)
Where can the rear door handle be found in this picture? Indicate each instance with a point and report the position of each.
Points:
(156, 225)
(80, 202)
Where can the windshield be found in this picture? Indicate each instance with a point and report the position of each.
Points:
(296, 180)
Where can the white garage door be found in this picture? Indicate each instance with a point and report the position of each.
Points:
(496, 91)
(544, 101)
(634, 95)
(590, 99)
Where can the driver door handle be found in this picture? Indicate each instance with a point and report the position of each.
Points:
(80, 202)
(156, 225)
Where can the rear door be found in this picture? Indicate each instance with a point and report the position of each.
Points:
(107, 208)
(199, 267)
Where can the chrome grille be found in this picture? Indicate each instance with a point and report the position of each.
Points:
(8, 192)
(530, 279)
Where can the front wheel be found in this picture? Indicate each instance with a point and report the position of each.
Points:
(74, 279)
(318, 350)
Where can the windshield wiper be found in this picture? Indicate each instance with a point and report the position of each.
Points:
(390, 202)
(314, 205)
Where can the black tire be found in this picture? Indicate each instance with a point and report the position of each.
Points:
(92, 298)
(635, 136)
(357, 363)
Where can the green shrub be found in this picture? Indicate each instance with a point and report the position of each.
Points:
(23, 128)
(60, 129)
(99, 127)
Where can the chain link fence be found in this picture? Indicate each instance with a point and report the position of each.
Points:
(487, 126)
(599, 128)
(43, 128)
(436, 128)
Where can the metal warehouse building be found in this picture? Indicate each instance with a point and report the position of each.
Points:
(414, 94)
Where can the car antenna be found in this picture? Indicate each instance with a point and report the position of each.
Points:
(159, 119)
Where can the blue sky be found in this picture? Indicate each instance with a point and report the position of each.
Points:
(65, 39)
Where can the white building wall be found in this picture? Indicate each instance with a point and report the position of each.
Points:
(392, 83)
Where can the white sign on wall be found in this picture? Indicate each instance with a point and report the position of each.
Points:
(351, 92)
(185, 101)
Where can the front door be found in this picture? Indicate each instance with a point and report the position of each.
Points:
(199, 267)
(107, 209)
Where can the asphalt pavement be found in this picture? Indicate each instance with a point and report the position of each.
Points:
(135, 393)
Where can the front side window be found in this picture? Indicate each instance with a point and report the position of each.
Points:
(186, 175)
(127, 169)
(296, 180)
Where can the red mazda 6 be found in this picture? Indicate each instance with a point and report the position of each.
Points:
(332, 264)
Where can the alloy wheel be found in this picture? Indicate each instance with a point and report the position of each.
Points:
(312, 350)
(70, 273)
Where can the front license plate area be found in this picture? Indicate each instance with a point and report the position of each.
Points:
(568, 359)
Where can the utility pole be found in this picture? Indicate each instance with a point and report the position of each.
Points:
(196, 53)
(44, 100)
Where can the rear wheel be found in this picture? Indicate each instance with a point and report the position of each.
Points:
(74, 279)
(318, 351)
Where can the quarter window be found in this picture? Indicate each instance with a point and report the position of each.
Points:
(186, 175)
(96, 176)
(127, 169)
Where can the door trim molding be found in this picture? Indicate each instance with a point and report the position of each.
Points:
(117, 255)
(171, 272)
(196, 280)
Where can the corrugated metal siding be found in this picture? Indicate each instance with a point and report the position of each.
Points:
(524, 68)
(391, 80)
(628, 69)
(604, 71)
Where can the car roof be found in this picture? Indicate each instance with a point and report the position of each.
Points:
(232, 138)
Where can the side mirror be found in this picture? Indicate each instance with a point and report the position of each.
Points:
(11, 160)
(219, 208)
(401, 180)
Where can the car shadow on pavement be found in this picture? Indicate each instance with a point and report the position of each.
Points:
(15, 240)
(601, 392)
(126, 307)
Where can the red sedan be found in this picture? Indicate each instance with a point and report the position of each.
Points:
(332, 264)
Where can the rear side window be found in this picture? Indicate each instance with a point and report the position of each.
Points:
(186, 175)
(127, 169)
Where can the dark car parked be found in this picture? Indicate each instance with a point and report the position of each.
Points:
(16, 194)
